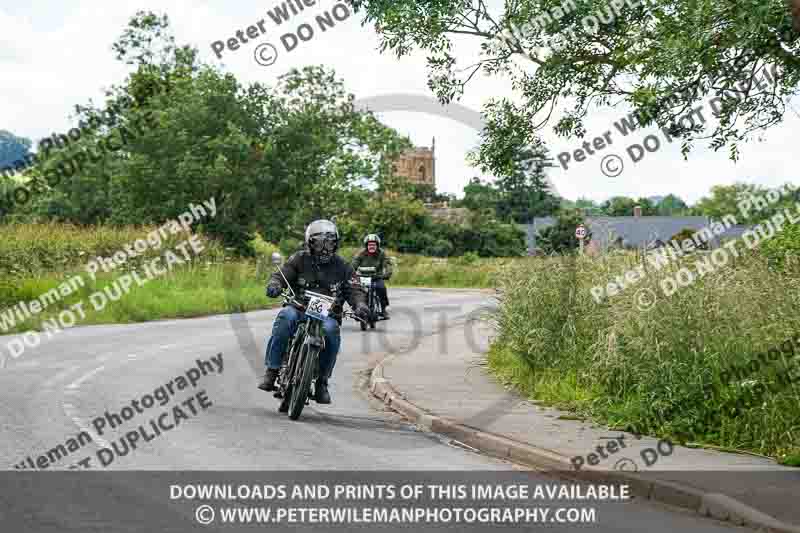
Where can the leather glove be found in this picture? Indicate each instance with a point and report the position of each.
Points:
(273, 290)
(362, 312)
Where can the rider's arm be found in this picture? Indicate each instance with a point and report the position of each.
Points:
(357, 260)
(291, 268)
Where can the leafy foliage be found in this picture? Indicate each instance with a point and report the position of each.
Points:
(672, 205)
(725, 199)
(622, 206)
(404, 224)
(688, 233)
(13, 149)
(661, 57)
(560, 237)
(783, 249)
(272, 157)
(520, 193)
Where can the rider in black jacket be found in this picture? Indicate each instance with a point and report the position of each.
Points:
(319, 269)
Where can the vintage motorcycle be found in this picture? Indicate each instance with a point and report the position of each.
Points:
(368, 277)
(300, 369)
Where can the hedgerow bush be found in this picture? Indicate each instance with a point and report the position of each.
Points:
(783, 249)
(406, 226)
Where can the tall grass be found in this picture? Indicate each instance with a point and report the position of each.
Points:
(35, 258)
(193, 290)
(28, 250)
(652, 369)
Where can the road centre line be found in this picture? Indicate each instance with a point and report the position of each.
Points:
(75, 384)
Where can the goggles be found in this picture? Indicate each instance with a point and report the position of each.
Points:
(325, 242)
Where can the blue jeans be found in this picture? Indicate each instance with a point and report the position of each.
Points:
(285, 326)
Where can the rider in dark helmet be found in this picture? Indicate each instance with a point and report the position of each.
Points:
(373, 256)
(319, 269)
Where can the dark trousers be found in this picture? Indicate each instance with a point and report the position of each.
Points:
(383, 294)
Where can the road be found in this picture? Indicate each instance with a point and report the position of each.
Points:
(53, 392)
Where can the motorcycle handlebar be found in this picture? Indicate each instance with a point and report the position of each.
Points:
(288, 299)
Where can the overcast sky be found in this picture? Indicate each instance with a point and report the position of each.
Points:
(57, 54)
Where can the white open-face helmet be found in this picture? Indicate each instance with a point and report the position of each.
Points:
(372, 238)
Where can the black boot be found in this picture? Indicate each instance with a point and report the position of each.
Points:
(321, 394)
(268, 381)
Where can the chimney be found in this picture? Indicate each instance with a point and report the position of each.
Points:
(637, 211)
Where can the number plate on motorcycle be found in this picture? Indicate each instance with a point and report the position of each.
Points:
(318, 308)
(366, 281)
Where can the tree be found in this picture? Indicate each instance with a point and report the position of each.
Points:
(725, 199)
(480, 195)
(586, 206)
(272, 157)
(661, 57)
(619, 206)
(14, 151)
(524, 194)
(672, 205)
(647, 206)
(15, 155)
(560, 237)
(622, 206)
(424, 192)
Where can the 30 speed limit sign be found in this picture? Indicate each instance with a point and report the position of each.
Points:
(580, 232)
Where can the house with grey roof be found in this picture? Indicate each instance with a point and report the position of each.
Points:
(635, 231)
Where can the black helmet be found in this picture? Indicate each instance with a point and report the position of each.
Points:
(372, 238)
(322, 239)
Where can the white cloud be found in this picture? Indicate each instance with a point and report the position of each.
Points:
(57, 56)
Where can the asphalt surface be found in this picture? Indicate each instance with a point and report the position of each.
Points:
(51, 393)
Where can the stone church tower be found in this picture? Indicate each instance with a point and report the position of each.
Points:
(418, 165)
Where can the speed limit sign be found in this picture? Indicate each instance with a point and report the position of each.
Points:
(580, 232)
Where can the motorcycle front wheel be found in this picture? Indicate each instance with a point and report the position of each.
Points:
(301, 387)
